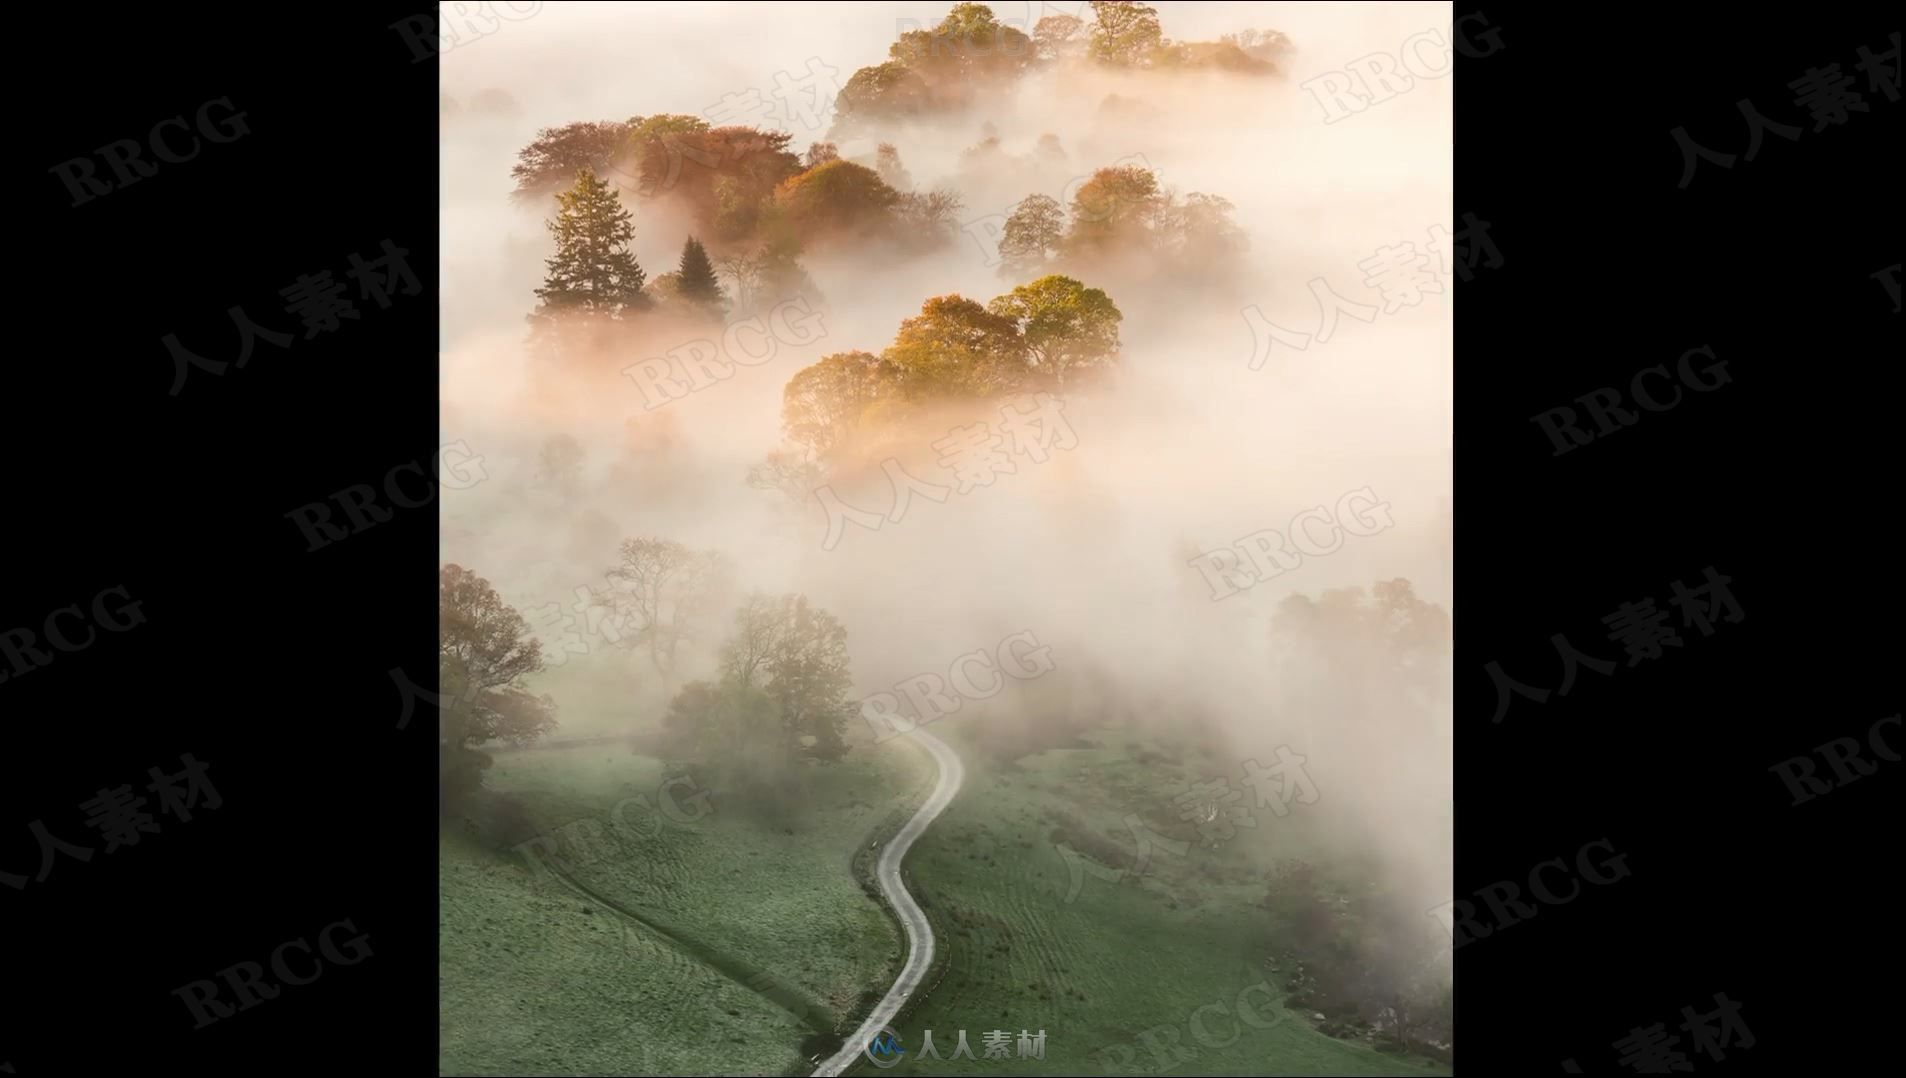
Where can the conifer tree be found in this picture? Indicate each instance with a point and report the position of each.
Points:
(593, 271)
(696, 281)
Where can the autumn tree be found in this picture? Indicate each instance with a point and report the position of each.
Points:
(660, 150)
(1203, 232)
(1124, 33)
(956, 347)
(837, 197)
(695, 279)
(1032, 234)
(1059, 37)
(880, 94)
(1116, 206)
(1069, 330)
(820, 153)
(823, 402)
(484, 651)
(969, 47)
(553, 160)
(593, 272)
(668, 592)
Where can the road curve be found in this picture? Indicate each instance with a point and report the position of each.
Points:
(912, 918)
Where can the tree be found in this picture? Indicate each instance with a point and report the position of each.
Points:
(820, 153)
(1124, 33)
(733, 729)
(970, 46)
(1116, 205)
(955, 347)
(696, 281)
(668, 591)
(882, 93)
(659, 150)
(1367, 658)
(823, 402)
(792, 473)
(721, 174)
(553, 160)
(559, 464)
(484, 651)
(930, 216)
(593, 271)
(887, 163)
(838, 196)
(797, 654)
(1266, 45)
(1032, 233)
(781, 277)
(1068, 329)
(1204, 234)
(1059, 37)
(744, 269)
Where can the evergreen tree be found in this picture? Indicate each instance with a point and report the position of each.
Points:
(593, 272)
(696, 280)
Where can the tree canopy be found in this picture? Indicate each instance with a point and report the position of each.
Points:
(484, 651)
(1047, 334)
(836, 197)
(1069, 330)
(553, 160)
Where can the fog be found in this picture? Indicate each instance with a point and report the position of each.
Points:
(1187, 450)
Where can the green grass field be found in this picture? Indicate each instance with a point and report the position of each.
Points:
(1120, 957)
(538, 979)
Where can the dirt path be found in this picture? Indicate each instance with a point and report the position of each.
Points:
(912, 918)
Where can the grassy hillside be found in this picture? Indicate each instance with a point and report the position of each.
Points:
(539, 979)
(1121, 957)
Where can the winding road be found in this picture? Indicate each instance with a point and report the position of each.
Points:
(912, 918)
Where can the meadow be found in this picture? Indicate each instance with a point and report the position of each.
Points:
(540, 978)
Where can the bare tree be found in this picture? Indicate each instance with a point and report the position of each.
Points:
(744, 270)
(669, 592)
(932, 213)
(791, 472)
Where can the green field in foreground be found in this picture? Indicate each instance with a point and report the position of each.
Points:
(539, 979)
(1121, 957)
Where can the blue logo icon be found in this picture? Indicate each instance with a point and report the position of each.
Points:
(883, 1049)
